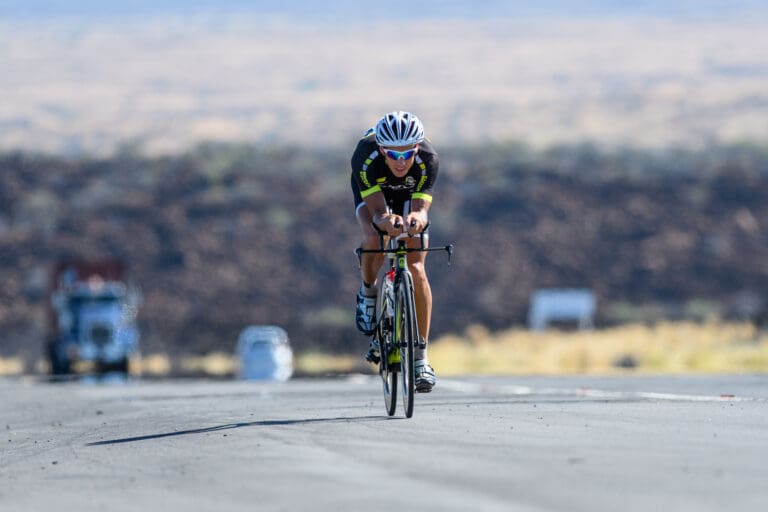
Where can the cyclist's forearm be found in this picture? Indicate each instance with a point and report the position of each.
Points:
(418, 217)
(420, 209)
(377, 206)
(420, 205)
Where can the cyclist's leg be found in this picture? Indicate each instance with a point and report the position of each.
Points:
(369, 267)
(425, 378)
(424, 373)
(370, 263)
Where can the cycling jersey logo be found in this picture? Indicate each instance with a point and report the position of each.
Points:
(408, 184)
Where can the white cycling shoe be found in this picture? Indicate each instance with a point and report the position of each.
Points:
(425, 376)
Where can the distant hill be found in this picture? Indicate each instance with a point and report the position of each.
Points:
(226, 236)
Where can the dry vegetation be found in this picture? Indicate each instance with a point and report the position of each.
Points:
(681, 347)
(164, 85)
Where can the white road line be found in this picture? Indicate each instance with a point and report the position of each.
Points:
(480, 388)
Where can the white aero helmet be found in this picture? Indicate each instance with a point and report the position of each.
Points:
(399, 129)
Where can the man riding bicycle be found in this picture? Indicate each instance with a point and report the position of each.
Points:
(395, 166)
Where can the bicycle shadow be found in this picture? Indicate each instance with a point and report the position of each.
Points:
(262, 423)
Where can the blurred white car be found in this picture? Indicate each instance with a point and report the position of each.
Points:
(264, 353)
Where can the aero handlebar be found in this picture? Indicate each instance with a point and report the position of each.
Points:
(394, 250)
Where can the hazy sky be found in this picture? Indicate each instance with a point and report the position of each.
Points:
(391, 9)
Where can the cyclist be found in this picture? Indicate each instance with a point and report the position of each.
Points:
(394, 165)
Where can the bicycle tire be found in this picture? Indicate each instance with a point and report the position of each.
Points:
(384, 316)
(406, 334)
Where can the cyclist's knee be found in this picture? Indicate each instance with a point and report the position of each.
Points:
(370, 241)
(418, 270)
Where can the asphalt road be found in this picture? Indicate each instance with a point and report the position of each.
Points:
(643, 443)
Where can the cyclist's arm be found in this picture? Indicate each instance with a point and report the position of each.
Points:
(384, 220)
(417, 219)
(421, 198)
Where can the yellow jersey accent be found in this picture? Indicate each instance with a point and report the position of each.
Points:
(364, 179)
(381, 180)
(372, 190)
(422, 195)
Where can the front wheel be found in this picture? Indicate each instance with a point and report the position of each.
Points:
(406, 334)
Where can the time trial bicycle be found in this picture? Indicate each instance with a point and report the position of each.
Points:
(397, 330)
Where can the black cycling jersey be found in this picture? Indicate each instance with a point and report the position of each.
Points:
(370, 174)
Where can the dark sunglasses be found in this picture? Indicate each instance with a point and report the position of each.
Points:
(400, 155)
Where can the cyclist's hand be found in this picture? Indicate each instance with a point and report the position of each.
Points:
(416, 222)
(391, 223)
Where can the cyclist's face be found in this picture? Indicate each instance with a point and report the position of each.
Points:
(399, 166)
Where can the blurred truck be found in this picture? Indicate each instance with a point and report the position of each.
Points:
(92, 318)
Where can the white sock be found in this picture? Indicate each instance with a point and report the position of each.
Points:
(369, 291)
(420, 353)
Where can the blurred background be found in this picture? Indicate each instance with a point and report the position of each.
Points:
(196, 153)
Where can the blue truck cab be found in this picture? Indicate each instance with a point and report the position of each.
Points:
(93, 326)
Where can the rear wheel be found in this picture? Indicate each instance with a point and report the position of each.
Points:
(406, 334)
(389, 382)
(387, 368)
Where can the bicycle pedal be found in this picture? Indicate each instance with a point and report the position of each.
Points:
(372, 357)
